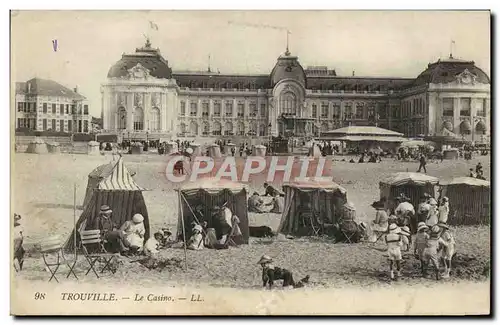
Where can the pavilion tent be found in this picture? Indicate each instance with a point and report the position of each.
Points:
(121, 193)
(469, 199)
(208, 193)
(413, 185)
(326, 197)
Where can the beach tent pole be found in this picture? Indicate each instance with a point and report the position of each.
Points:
(183, 231)
(74, 216)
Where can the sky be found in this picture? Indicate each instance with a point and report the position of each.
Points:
(372, 43)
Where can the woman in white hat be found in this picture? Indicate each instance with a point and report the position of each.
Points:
(134, 231)
(394, 241)
(271, 273)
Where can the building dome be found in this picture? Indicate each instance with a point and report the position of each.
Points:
(288, 67)
(147, 57)
(445, 71)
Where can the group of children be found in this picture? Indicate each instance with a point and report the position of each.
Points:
(432, 244)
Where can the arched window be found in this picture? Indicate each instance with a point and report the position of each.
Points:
(154, 119)
(217, 129)
(288, 104)
(228, 128)
(182, 128)
(206, 128)
(193, 128)
(253, 129)
(241, 128)
(138, 119)
(262, 130)
(122, 118)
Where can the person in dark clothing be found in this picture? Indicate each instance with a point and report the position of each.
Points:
(272, 273)
(113, 237)
(271, 191)
(423, 162)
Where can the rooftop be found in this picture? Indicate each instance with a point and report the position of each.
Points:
(45, 87)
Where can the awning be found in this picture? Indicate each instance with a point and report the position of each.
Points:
(402, 178)
(470, 181)
(359, 138)
(481, 127)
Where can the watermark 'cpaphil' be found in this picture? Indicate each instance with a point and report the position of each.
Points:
(276, 169)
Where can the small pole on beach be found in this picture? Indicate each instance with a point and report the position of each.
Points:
(74, 216)
(183, 231)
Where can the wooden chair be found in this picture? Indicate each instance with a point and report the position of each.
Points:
(53, 256)
(93, 249)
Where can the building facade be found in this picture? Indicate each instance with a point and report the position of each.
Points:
(45, 105)
(142, 96)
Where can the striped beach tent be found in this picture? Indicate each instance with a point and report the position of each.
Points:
(117, 189)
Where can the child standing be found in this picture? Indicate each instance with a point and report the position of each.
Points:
(430, 253)
(405, 238)
(444, 210)
(421, 240)
(393, 240)
(448, 250)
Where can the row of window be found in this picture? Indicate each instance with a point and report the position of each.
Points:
(54, 125)
(228, 109)
(362, 111)
(30, 107)
(228, 129)
(465, 107)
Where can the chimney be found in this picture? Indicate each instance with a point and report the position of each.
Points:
(353, 73)
(75, 89)
(29, 87)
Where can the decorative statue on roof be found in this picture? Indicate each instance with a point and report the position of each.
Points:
(138, 72)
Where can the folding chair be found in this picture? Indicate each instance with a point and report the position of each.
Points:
(93, 249)
(348, 228)
(53, 256)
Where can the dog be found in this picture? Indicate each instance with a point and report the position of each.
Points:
(261, 232)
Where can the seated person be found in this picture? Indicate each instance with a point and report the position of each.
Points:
(133, 231)
(153, 245)
(277, 204)
(271, 273)
(195, 242)
(381, 222)
(222, 223)
(114, 240)
(256, 203)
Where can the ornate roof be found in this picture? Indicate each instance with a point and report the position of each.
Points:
(44, 87)
(147, 57)
(288, 67)
(447, 70)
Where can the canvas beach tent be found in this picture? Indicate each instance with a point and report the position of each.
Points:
(207, 193)
(326, 197)
(120, 192)
(469, 200)
(413, 185)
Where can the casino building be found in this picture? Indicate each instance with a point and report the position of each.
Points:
(143, 98)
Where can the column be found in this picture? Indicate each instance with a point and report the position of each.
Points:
(235, 108)
(115, 105)
(147, 110)
(164, 114)
(130, 112)
(456, 115)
